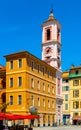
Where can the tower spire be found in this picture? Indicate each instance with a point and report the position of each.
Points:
(51, 16)
(51, 10)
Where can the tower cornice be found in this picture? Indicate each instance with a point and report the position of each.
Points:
(52, 42)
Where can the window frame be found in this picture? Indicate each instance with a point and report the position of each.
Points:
(32, 65)
(20, 63)
(48, 103)
(11, 100)
(11, 83)
(48, 34)
(11, 64)
(38, 85)
(66, 106)
(19, 99)
(43, 102)
(66, 97)
(75, 93)
(53, 104)
(32, 83)
(19, 81)
(76, 104)
(38, 102)
(75, 82)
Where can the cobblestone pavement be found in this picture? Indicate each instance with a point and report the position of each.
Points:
(78, 127)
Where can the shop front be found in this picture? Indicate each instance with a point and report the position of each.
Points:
(66, 119)
(76, 120)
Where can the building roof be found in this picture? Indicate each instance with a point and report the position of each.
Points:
(2, 67)
(2, 71)
(75, 67)
(65, 74)
(24, 54)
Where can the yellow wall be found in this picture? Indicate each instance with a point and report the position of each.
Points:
(26, 90)
(65, 77)
(73, 110)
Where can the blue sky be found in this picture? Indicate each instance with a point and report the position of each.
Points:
(20, 27)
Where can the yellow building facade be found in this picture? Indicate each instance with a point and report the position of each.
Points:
(31, 82)
(66, 97)
(75, 94)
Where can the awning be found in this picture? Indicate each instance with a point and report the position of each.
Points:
(9, 116)
(76, 118)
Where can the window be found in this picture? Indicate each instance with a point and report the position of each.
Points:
(11, 82)
(58, 51)
(43, 87)
(75, 114)
(19, 99)
(48, 104)
(48, 73)
(52, 90)
(11, 100)
(20, 63)
(65, 80)
(76, 72)
(66, 97)
(11, 64)
(76, 82)
(59, 109)
(66, 106)
(38, 85)
(19, 81)
(3, 83)
(32, 97)
(48, 88)
(32, 83)
(32, 65)
(43, 102)
(43, 70)
(75, 104)
(48, 34)
(52, 76)
(76, 93)
(80, 104)
(58, 65)
(65, 88)
(58, 34)
(38, 102)
(38, 68)
(58, 83)
(52, 104)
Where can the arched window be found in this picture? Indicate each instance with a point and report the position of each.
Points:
(38, 102)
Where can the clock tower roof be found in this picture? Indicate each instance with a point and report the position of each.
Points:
(51, 18)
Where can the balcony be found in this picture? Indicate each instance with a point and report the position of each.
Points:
(74, 75)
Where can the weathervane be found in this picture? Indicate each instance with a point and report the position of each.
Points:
(51, 8)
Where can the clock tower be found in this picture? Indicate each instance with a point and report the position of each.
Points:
(51, 54)
(51, 42)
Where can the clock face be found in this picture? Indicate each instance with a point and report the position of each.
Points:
(47, 50)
